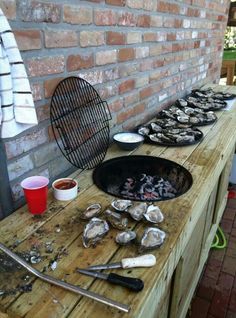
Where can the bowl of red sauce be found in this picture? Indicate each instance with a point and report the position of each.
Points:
(65, 189)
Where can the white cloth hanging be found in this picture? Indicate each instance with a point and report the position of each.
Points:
(17, 111)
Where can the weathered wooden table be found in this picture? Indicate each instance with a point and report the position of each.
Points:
(190, 223)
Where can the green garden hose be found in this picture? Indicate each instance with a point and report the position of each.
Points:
(219, 240)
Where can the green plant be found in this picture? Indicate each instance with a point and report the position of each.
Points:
(230, 38)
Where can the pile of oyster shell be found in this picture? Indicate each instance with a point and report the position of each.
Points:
(210, 93)
(183, 113)
(173, 134)
(116, 216)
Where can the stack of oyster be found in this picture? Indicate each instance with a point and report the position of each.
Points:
(117, 217)
(175, 125)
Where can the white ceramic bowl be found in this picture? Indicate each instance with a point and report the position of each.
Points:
(65, 189)
(128, 141)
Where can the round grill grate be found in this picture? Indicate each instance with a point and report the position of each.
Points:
(80, 122)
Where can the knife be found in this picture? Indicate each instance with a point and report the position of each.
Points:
(134, 284)
(147, 260)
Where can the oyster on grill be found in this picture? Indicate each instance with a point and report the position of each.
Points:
(94, 231)
(125, 237)
(152, 238)
(137, 211)
(91, 211)
(182, 102)
(116, 220)
(121, 205)
(155, 127)
(153, 214)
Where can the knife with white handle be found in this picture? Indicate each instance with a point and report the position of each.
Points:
(147, 260)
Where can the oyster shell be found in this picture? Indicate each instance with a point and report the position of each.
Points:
(152, 238)
(116, 219)
(144, 131)
(153, 214)
(126, 237)
(121, 205)
(94, 231)
(91, 211)
(137, 211)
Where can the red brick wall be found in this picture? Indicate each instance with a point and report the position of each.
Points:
(140, 55)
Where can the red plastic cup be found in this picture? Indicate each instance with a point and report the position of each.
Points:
(35, 191)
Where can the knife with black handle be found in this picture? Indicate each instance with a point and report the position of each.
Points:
(134, 284)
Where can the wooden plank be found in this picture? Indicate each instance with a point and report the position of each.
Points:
(181, 217)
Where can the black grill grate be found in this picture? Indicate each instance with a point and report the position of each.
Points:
(80, 122)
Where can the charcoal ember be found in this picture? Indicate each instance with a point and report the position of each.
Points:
(146, 187)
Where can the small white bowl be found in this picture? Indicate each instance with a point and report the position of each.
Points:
(65, 189)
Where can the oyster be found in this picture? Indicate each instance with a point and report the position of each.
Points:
(153, 214)
(126, 237)
(94, 231)
(117, 220)
(155, 127)
(152, 238)
(121, 205)
(144, 131)
(91, 211)
(137, 211)
(182, 102)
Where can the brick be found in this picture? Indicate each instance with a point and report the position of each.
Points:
(229, 214)
(115, 38)
(59, 166)
(141, 81)
(146, 65)
(28, 39)
(77, 14)
(36, 11)
(127, 19)
(156, 21)
(17, 191)
(221, 296)
(134, 37)
(144, 21)
(60, 38)
(105, 17)
(43, 112)
(156, 50)
(41, 155)
(46, 65)
(135, 4)
(146, 92)
(226, 225)
(107, 91)
(229, 265)
(124, 116)
(25, 143)
(92, 38)
(126, 86)
(231, 203)
(150, 37)
(50, 86)
(141, 52)
(206, 288)
(116, 105)
(217, 254)
(119, 3)
(199, 308)
(126, 54)
(213, 268)
(132, 98)
(36, 89)
(232, 302)
(171, 36)
(163, 6)
(168, 22)
(150, 5)
(9, 8)
(93, 77)
(231, 252)
(106, 57)
(110, 74)
(130, 69)
(19, 167)
(78, 62)
(174, 8)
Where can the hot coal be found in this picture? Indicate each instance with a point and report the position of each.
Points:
(146, 187)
